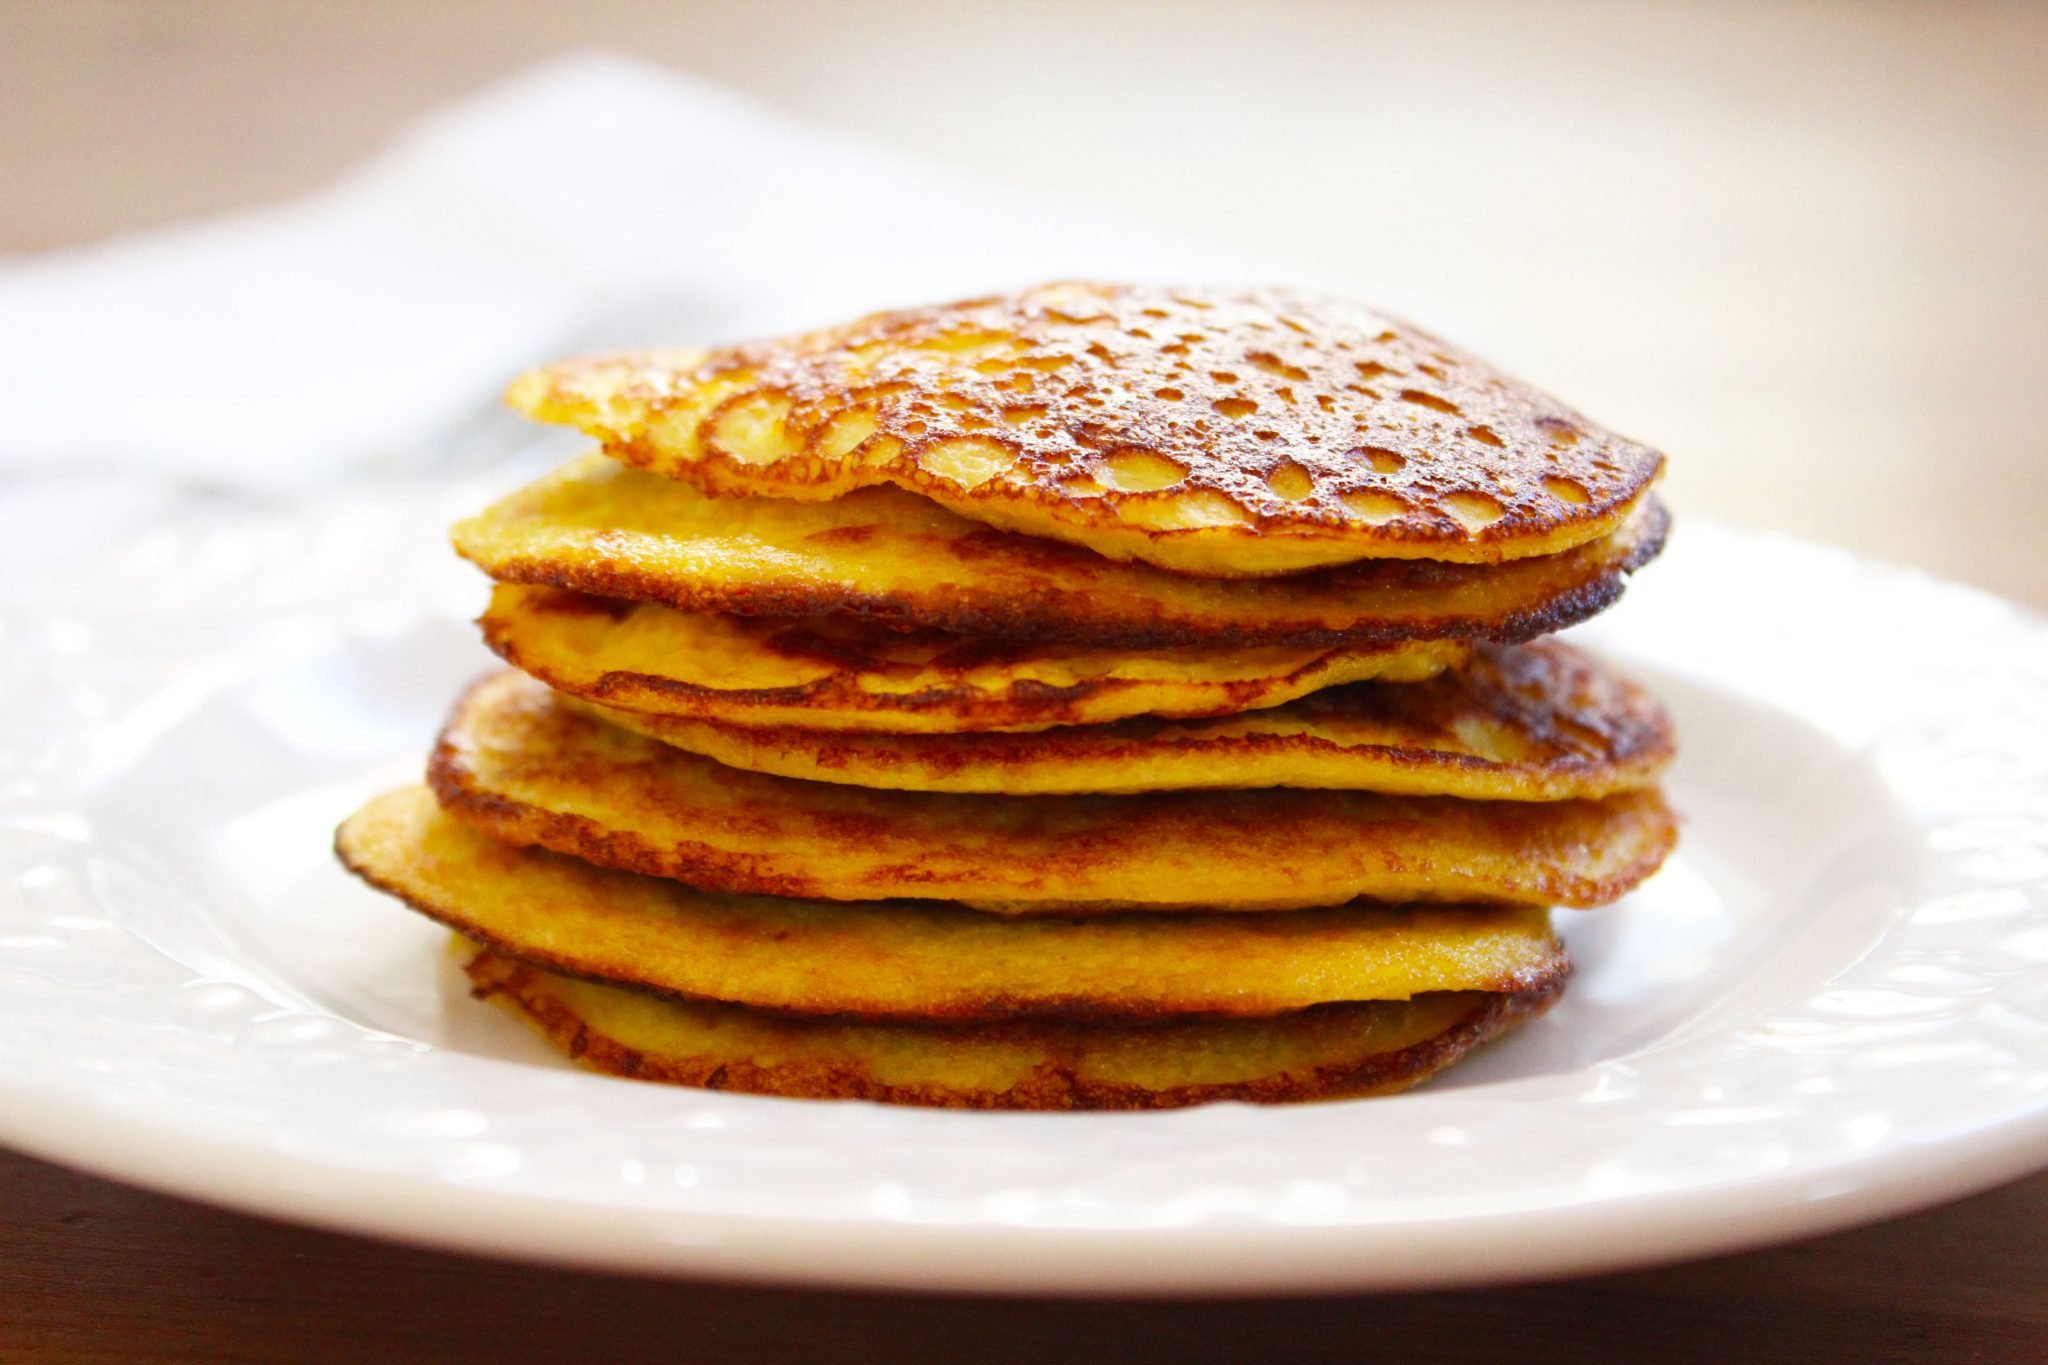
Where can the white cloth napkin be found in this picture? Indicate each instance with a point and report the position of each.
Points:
(593, 201)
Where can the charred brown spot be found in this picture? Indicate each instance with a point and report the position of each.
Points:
(564, 602)
(844, 535)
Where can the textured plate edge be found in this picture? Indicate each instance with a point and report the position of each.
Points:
(1255, 1259)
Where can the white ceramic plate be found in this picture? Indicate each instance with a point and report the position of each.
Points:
(1832, 1006)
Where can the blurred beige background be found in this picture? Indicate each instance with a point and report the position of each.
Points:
(1798, 245)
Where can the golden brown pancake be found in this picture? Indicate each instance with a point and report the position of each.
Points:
(843, 673)
(1208, 432)
(1536, 722)
(919, 960)
(599, 527)
(1333, 1052)
(516, 762)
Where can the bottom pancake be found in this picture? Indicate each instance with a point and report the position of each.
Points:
(1329, 1052)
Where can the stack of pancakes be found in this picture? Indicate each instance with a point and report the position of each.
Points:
(1098, 696)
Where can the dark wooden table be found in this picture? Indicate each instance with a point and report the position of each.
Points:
(94, 1272)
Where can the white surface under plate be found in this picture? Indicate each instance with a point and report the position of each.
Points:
(1832, 1005)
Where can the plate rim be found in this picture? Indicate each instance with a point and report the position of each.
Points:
(1695, 1222)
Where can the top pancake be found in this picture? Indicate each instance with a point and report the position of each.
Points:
(1213, 433)
(599, 527)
